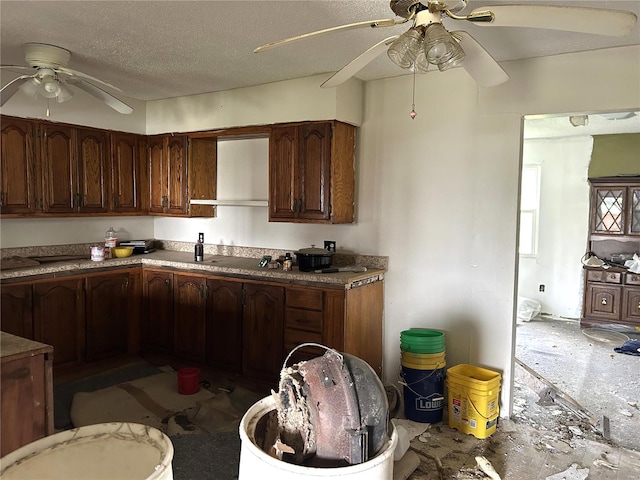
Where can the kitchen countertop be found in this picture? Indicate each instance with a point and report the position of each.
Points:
(213, 264)
(13, 347)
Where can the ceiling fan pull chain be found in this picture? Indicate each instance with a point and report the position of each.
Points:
(413, 113)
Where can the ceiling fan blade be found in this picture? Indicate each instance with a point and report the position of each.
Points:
(75, 73)
(358, 63)
(598, 21)
(16, 68)
(390, 22)
(479, 63)
(11, 88)
(100, 94)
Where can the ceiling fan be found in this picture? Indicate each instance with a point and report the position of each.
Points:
(428, 44)
(51, 78)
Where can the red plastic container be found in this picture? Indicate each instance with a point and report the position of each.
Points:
(188, 381)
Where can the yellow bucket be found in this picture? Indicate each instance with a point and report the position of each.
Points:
(423, 361)
(473, 399)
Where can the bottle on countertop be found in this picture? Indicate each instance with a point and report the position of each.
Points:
(110, 241)
(199, 250)
(287, 263)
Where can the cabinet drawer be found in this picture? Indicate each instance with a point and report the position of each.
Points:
(633, 279)
(604, 277)
(304, 298)
(303, 320)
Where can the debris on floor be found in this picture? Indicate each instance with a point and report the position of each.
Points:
(571, 473)
(487, 468)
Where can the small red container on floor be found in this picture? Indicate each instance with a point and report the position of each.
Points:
(188, 381)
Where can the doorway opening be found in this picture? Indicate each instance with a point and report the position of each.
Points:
(568, 379)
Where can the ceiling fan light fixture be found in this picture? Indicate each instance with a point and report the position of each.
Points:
(439, 45)
(64, 94)
(455, 60)
(403, 50)
(50, 87)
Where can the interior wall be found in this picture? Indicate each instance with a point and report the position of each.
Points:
(563, 224)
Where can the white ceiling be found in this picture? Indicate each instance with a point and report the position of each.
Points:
(163, 49)
(557, 126)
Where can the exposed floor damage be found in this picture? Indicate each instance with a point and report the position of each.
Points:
(551, 440)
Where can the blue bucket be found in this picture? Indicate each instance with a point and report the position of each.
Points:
(423, 394)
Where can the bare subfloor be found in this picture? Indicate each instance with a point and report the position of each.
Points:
(543, 441)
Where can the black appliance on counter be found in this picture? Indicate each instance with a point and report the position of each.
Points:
(139, 246)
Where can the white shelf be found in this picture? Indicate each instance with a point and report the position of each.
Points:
(231, 203)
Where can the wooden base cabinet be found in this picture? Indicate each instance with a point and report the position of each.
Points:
(157, 306)
(349, 321)
(58, 319)
(26, 413)
(262, 329)
(189, 312)
(224, 325)
(16, 306)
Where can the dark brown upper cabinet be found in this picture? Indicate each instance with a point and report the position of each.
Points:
(18, 167)
(167, 157)
(311, 172)
(74, 168)
(126, 175)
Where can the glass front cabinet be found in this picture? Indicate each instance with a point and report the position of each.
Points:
(615, 203)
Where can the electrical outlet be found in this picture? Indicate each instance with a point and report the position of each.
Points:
(541, 287)
(330, 245)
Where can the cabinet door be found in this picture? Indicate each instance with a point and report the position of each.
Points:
(158, 174)
(58, 319)
(16, 310)
(224, 325)
(23, 402)
(634, 210)
(202, 174)
(608, 210)
(176, 148)
(313, 182)
(189, 311)
(631, 305)
(603, 301)
(107, 315)
(17, 167)
(262, 331)
(125, 172)
(157, 328)
(283, 144)
(59, 168)
(93, 177)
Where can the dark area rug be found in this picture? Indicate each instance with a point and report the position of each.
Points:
(63, 394)
(209, 455)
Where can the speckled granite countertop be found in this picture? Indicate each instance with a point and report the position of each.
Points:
(224, 265)
(13, 347)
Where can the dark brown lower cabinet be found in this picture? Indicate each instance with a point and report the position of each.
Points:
(262, 331)
(157, 307)
(58, 319)
(224, 325)
(16, 315)
(26, 412)
(189, 311)
(107, 315)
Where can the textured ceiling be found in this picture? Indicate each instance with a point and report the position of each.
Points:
(163, 49)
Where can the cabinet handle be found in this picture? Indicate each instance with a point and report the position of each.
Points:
(201, 288)
(295, 201)
(116, 200)
(638, 306)
(603, 301)
(1, 198)
(166, 282)
(165, 201)
(125, 285)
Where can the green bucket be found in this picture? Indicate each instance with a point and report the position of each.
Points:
(422, 340)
